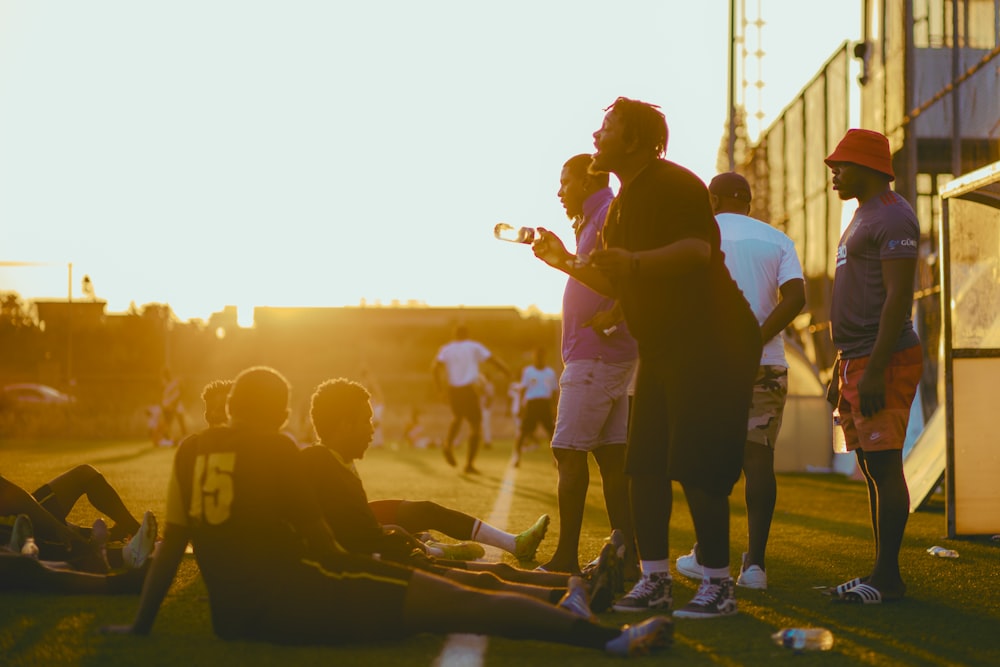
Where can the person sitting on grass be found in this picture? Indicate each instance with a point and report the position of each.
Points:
(341, 415)
(418, 516)
(230, 485)
(126, 543)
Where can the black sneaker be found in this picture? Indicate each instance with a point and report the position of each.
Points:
(652, 591)
(715, 598)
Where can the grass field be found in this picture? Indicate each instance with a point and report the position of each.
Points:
(821, 536)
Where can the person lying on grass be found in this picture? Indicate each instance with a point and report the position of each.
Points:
(126, 544)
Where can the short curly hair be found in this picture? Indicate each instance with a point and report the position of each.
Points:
(335, 401)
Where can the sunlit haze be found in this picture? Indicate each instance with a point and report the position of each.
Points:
(327, 153)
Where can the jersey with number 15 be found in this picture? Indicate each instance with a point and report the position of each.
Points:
(239, 493)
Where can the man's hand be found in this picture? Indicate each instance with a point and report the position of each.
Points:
(871, 392)
(550, 249)
(603, 321)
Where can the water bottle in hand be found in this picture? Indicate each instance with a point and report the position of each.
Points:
(804, 639)
(506, 232)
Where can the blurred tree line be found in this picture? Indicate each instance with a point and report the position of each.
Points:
(113, 364)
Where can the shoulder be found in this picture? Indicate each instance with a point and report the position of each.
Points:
(890, 212)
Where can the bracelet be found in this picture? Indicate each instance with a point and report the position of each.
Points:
(635, 264)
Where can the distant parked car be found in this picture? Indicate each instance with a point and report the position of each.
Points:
(29, 395)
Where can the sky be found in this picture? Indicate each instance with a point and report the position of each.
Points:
(205, 153)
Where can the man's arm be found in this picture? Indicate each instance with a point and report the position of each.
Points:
(550, 249)
(674, 259)
(793, 300)
(158, 579)
(897, 275)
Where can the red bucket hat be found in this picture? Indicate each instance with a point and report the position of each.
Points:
(867, 148)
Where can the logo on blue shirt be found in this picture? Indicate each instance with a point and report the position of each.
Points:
(901, 243)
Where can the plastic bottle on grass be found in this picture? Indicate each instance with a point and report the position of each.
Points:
(30, 549)
(804, 639)
(941, 552)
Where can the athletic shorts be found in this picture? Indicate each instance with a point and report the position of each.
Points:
(770, 389)
(537, 411)
(886, 429)
(593, 404)
(465, 404)
(689, 416)
(340, 600)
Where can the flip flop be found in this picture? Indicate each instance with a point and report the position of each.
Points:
(838, 591)
(861, 594)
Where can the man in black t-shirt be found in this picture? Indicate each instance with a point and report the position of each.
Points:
(699, 347)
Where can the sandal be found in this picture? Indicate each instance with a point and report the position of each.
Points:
(862, 594)
(839, 591)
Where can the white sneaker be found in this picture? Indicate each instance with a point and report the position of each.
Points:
(139, 548)
(753, 576)
(689, 566)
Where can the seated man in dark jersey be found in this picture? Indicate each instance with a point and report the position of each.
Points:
(231, 484)
(342, 419)
(417, 516)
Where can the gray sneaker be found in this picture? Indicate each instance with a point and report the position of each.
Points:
(642, 638)
(652, 591)
(715, 598)
(140, 547)
(576, 599)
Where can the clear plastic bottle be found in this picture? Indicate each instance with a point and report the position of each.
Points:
(30, 548)
(804, 639)
(941, 552)
(506, 232)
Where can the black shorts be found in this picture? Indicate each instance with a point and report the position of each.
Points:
(340, 600)
(689, 418)
(465, 404)
(537, 411)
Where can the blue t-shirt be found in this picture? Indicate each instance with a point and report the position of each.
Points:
(883, 228)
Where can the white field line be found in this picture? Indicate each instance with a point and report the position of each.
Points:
(468, 650)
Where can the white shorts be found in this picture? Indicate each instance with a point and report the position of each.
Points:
(593, 404)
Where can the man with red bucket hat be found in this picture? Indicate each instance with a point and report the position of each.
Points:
(878, 353)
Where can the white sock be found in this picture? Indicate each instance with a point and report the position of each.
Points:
(715, 573)
(484, 533)
(650, 566)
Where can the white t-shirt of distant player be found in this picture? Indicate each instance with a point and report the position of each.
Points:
(462, 359)
(538, 382)
(760, 259)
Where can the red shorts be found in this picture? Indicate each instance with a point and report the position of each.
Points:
(886, 429)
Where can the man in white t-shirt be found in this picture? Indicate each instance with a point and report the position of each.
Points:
(461, 359)
(763, 262)
(539, 387)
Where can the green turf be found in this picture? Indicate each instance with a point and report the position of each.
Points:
(821, 536)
